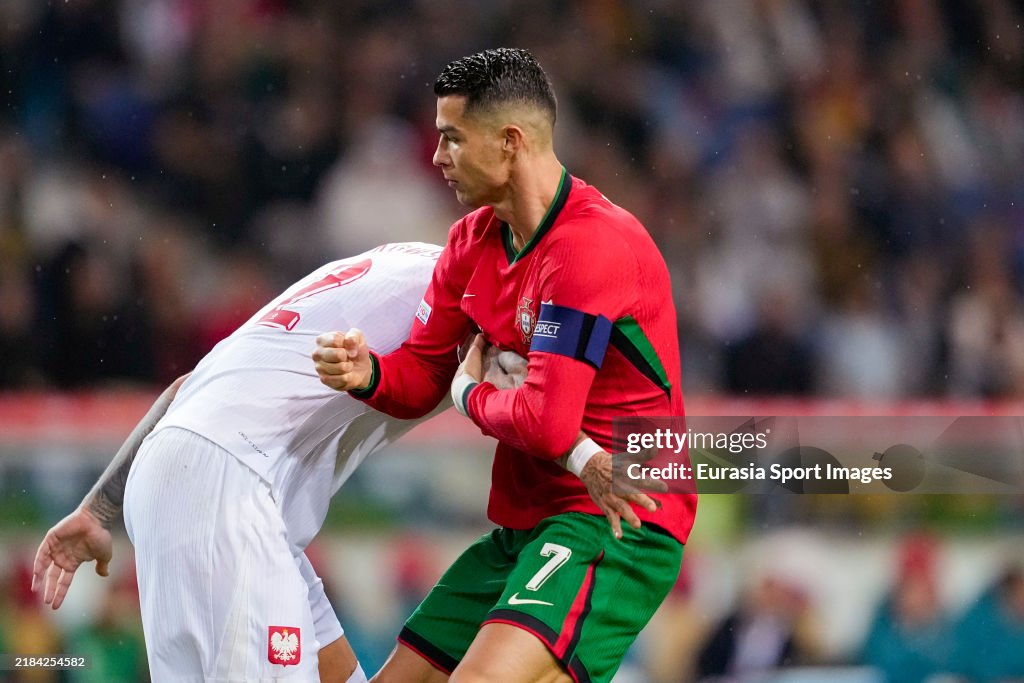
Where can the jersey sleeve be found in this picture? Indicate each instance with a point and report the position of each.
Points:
(411, 381)
(586, 284)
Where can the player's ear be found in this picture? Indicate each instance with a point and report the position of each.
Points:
(512, 140)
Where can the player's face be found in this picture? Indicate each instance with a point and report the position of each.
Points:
(470, 154)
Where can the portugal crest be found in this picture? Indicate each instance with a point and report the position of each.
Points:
(526, 318)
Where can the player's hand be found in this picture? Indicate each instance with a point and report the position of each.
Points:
(473, 360)
(504, 369)
(469, 373)
(616, 502)
(343, 360)
(77, 538)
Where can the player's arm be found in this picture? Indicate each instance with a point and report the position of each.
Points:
(412, 380)
(84, 535)
(543, 417)
(595, 467)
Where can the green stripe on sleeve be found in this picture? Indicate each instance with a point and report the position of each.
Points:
(630, 340)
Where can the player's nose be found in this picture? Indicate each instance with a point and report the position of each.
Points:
(441, 157)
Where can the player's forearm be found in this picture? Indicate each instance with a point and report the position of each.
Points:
(409, 385)
(531, 419)
(106, 498)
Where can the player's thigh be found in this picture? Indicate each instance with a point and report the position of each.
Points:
(173, 496)
(441, 629)
(502, 653)
(632, 581)
(585, 595)
(222, 596)
(270, 631)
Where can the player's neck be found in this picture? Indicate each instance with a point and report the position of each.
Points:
(531, 192)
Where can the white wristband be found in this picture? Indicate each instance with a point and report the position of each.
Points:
(581, 455)
(461, 387)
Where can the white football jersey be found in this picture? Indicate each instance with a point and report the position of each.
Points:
(257, 394)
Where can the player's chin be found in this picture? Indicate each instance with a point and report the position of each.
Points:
(466, 199)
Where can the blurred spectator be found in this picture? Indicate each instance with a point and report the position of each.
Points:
(775, 357)
(909, 638)
(22, 366)
(990, 634)
(25, 628)
(986, 324)
(242, 287)
(860, 351)
(770, 630)
(165, 271)
(415, 570)
(670, 643)
(86, 310)
(378, 195)
(113, 641)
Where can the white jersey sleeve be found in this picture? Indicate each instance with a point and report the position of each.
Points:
(257, 395)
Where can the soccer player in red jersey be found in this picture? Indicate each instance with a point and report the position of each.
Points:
(548, 267)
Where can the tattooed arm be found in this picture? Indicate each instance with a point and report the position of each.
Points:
(105, 499)
(84, 535)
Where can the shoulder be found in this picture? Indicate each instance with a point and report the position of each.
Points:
(607, 231)
(592, 223)
(472, 227)
(469, 234)
(588, 212)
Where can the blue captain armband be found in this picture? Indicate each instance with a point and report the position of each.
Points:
(568, 332)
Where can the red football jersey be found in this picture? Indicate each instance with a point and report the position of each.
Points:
(588, 301)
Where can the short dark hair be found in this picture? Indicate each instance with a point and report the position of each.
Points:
(501, 76)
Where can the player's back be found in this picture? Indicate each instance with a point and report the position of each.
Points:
(257, 395)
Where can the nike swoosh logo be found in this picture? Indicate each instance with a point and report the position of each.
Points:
(514, 599)
(466, 296)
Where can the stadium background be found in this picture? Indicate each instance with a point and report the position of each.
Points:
(836, 187)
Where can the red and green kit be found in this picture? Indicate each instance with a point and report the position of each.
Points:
(588, 302)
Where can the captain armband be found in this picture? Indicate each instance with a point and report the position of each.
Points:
(575, 334)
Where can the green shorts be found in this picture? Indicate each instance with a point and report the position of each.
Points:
(584, 594)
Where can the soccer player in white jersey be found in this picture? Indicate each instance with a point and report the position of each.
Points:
(229, 476)
(235, 480)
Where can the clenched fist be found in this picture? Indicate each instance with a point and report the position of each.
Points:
(343, 360)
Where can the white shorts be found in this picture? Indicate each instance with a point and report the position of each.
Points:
(223, 597)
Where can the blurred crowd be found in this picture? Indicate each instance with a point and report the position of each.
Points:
(110, 641)
(836, 186)
(912, 636)
(774, 622)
